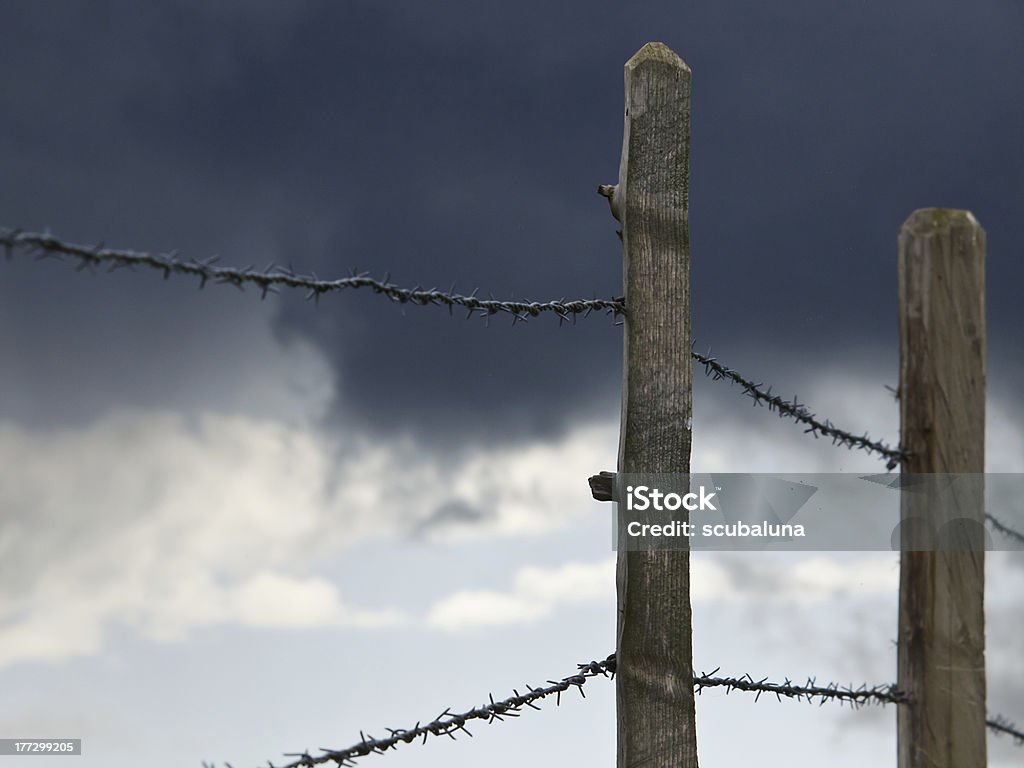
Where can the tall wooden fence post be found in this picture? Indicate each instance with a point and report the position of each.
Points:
(942, 424)
(654, 690)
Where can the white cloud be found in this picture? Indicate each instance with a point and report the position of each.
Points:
(168, 523)
(482, 608)
(760, 577)
(167, 526)
(537, 592)
(274, 600)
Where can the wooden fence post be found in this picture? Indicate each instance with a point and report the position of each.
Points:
(942, 424)
(654, 689)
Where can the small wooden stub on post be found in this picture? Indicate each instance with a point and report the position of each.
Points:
(654, 677)
(942, 424)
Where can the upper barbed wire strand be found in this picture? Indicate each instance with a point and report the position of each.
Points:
(43, 245)
(47, 245)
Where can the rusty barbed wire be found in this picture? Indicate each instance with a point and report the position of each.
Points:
(274, 276)
(1000, 725)
(799, 412)
(1003, 528)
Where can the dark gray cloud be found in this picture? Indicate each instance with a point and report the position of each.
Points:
(450, 515)
(462, 143)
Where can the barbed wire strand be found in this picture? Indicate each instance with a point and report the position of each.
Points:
(1004, 529)
(798, 411)
(810, 691)
(450, 724)
(274, 276)
(43, 245)
(1001, 725)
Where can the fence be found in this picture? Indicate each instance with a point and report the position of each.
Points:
(941, 688)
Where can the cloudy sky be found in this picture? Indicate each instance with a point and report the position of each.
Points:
(232, 528)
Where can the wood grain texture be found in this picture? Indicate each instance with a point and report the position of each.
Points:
(942, 423)
(654, 680)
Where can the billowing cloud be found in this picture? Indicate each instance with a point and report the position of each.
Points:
(535, 594)
(740, 578)
(165, 525)
(169, 523)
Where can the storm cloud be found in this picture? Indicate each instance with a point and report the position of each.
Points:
(462, 145)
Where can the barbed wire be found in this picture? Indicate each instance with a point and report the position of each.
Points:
(1003, 528)
(45, 245)
(799, 412)
(274, 276)
(1000, 724)
(857, 697)
(810, 691)
(450, 724)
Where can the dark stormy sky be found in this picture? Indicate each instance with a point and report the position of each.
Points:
(208, 503)
(461, 143)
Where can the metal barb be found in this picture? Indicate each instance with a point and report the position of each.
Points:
(1000, 725)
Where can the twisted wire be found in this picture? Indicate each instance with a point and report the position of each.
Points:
(1001, 725)
(450, 724)
(809, 692)
(799, 412)
(274, 276)
(1004, 529)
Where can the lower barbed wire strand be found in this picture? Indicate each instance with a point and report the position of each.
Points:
(449, 723)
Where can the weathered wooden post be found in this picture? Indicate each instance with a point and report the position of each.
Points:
(942, 425)
(654, 693)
